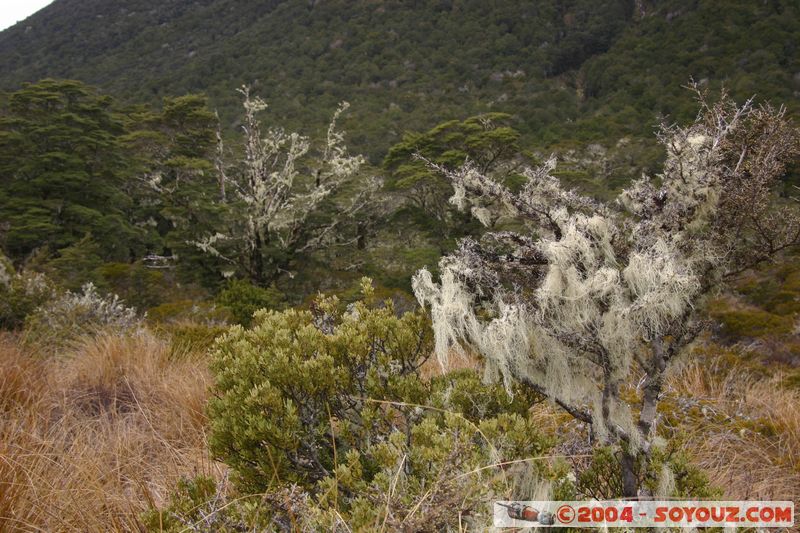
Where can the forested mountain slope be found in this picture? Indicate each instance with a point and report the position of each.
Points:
(582, 70)
(302, 315)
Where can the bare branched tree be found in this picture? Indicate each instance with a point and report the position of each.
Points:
(598, 298)
(279, 187)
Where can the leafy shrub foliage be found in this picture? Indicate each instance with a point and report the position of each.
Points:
(20, 294)
(179, 311)
(187, 338)
(77, 313)
(243, 299)
(329, 405)
(668, 474)
(750, 322)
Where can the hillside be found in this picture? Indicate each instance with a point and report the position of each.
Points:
(587, 80)
(588, 71)
(232, 301)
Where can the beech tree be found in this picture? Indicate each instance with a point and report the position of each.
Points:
(175, 188)
(487, 140)
(61, 172)
(593, 299)
(287, 198)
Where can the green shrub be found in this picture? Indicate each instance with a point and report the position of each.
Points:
(775, 289)
(181, 311)
(327, 424)
(201, 504)
(75, 265)
(753, 323)
(190, 337)
(243, 299)
(138, 285)
(328, 404)
(74, 314)
(602, 479)
(20, 294)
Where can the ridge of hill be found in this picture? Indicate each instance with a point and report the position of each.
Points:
(586, 71)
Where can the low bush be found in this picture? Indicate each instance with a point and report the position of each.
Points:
(748, 321)
(182, 311)
(186, 338)
(74, 314)
(323, 414)
(20, 294)
(243, 299)
(138, 285)
(775, 289)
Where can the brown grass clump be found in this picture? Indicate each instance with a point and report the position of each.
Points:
(456, 360)
(90, 440)
(743, 430)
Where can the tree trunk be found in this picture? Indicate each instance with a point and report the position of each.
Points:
(256, 259)
(630, 480)
(361, 236)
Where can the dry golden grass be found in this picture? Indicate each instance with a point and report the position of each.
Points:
(744, 431)
(89, 440)
(455, 361)
(748, 442)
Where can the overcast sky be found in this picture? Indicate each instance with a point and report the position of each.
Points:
(12, 11)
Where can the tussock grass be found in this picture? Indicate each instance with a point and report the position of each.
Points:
(90, 439)
(748, 438)
(455, 361)
(736, 422)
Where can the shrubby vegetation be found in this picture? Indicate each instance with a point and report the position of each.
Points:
(334, 418)
(167, 360)
(334, 413)
(598, 295)
(71, 315)
(20, 294)
(329, 407)
(243, 299)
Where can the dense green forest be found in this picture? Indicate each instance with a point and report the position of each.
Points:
(578, 71)
(255, 256)
(589, 81)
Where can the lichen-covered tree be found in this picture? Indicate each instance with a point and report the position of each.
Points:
(285, 198)
(594, 302)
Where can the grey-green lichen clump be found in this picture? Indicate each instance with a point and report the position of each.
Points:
(595, 294)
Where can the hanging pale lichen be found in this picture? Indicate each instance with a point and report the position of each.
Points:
(600, 295)
(281, 184)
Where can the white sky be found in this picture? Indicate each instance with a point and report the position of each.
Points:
(12, 11)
